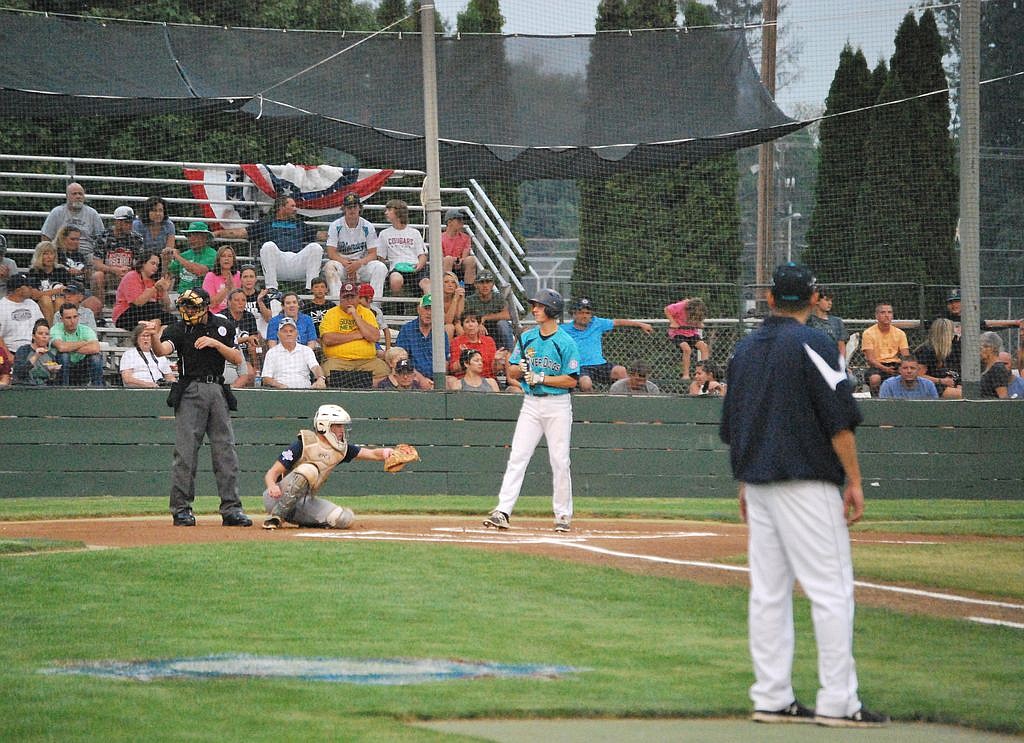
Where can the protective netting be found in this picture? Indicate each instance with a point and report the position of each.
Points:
(620, 163)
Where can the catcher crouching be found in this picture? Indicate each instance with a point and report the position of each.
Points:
(300, 470)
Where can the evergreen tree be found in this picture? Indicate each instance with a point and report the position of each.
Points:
(480, 17)
(654, 14)
(612, 15)
(391, 11)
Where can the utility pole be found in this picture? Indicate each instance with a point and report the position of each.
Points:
(766, 160)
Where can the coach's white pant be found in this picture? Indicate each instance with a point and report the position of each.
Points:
(280, 264)
(372, 273)
(798, 531)
(550, 417)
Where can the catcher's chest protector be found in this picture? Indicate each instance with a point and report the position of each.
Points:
(317, 459)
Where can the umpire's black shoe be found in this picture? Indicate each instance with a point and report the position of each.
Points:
(235, 518)
(184, 518)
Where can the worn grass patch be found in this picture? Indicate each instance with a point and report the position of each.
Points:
(23, 546)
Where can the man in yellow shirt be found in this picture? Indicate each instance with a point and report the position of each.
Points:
(883, 344)
(349, 333)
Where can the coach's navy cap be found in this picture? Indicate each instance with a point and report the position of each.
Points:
(792, 282)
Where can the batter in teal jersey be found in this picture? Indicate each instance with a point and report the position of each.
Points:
(547, 363)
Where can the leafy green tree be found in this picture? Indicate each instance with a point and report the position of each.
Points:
(391, 11)
(653, 14)
(481, 17)
(612, 15)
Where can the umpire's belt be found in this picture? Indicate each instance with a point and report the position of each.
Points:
(208, 379)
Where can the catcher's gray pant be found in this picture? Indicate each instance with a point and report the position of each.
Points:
(305, 509)
(204, 412)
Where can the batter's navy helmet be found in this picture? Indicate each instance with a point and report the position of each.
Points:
(551, 301)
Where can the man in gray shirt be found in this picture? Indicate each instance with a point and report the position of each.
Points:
(636, 383)
(75, 212)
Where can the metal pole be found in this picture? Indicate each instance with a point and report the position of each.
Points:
(431, 195)
(764, 262)
(970, 115)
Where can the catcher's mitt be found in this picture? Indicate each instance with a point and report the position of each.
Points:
(400, 456)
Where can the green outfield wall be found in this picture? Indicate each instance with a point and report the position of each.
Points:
(75, 442)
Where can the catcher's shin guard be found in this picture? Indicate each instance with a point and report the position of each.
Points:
(293, 487)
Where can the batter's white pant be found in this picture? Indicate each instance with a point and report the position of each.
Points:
(798, 531)
(279, 264)
(372, 273)
(551, 417)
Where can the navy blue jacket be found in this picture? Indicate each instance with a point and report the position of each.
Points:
(787, 398)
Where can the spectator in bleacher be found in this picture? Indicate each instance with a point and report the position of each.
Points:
(290, 308)
(822, 319)
(995, 376)
(454, 304)
(908, 385)
(352, 250)
(7, 266)
(254, 303)
(415, 338)
(349, 333)
(365, 293)
(317, 306)
(154, 225)
(18, 313)
(472, 379)
(492, 310)
(140, 296)
(1015, 391)
(705, 380)
(289, 248)
(77, 349)
(6, 365)
(883, 345)
(686, 330)
(474, 338)
(588, 332)
(220, 280)
(403, 376)
(289, 363)
(636, 382)
(457, 247)
(74, 213)
(48, 279)
(115, 253)
(34, 362)
(190, 267)
(938, 359)
(953, 307)
(77, 259)
(75, 294)
(403, 248)
(247, 340)
(142, 368)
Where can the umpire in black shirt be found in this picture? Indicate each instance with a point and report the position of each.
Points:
(201, 404)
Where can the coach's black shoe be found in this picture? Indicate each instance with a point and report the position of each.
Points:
(235, 518)
(862, 718)
(184, 518)
(794, 712)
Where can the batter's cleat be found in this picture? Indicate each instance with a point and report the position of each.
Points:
(795, 712)
(272, 523)
(562, 525)
(862, 718)
(184, 518)
(496, 520)
(235, 518)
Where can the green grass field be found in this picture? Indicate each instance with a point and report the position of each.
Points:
(655, 647)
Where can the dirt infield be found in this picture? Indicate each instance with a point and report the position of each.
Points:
(700, 551)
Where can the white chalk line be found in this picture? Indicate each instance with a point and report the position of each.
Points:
(578, 543)
(999, 622)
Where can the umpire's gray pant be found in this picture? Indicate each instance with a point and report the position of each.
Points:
(204, 412)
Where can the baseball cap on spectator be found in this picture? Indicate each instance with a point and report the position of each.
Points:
(484, 276)
(125, 213)
(404, 366)
(199, 227)
(793, 282)
(365, 290)
(73, 288)
(454, 214)
(347, 288)
(286, 321)
(16, 281)
(954, 296)
(425, 300)
(583, 303)
(351, 199)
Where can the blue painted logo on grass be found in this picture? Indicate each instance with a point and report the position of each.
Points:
(377, 671)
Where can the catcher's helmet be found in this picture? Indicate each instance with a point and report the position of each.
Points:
(551, 301)
(193, 305)
(326, 416)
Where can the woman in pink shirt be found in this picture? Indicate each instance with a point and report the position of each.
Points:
(224, 277)
(140, 296)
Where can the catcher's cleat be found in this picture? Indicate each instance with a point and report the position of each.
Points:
(562, 524)
(496, 520)
(272, 523)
